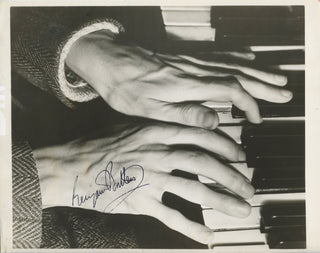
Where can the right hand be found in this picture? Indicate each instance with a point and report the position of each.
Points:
(70, 173)
(170, 88)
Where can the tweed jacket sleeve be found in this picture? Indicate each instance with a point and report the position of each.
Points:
(41, 38)
(26, 200)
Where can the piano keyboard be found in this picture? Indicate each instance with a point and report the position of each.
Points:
(275, 166)
(275, 150)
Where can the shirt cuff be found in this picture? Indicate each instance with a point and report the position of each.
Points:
(78, 90)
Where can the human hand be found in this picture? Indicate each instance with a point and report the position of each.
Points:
(129, 170)
(170, 88)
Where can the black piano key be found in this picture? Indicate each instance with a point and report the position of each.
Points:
(280, 57)
(249, 26)
(274, 111)
(279, 185)
(287, 238)
(279, 172)
(292, 145)
(279, 145)
(283, 215)
(228, 40)
(257, 11)
(275, 161)
(273, 128)
(279, 180)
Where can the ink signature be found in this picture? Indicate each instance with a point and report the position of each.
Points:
(106, 179)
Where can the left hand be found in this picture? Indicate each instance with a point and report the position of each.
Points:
(80, 174)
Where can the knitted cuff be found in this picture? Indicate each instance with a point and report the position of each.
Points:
(79, 90)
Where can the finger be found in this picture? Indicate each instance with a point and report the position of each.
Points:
(268, 77)
(176, 221)
(242, 55)
(241, 99)
(193, 68)
(186, 114)
(197, 192)
(263, 91)
(202, 89)
(209, 140)
(200, 163)
(234, 54)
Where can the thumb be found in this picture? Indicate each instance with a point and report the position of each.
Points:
(188, 114)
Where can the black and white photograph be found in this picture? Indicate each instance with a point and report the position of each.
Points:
(158, 127)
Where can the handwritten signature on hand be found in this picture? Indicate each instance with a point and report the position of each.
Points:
(105, 178)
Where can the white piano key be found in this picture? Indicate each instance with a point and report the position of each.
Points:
(250, 236)
(260, 199)
(243, 169)
(233, 132)
(216, 220)
(226, 118)
(290, 67)
(190, 33)
(276, 48)
(218, 106)
(177, 17)
(244, 248)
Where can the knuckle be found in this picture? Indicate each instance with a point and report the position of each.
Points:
(228, 204)
(238, 183)
(196, 156)
(204, 194)
(187, 112)
(237, 94)
(147, 132)
(176, 155)
(197, 132)
(235, 86)
(233, 180)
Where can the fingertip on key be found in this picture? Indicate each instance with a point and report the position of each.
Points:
(247, 190)
(251, 56)
(286, 93)
(281, 80)
(241, 156)
(256, 120)
(243, 210)
(211, 120)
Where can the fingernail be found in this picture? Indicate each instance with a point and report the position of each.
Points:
(211, 120)
(243, 210)
(258, 121)
(247, 189)
(251, 56)
(286, 93)
(241, 156)
(282, 79)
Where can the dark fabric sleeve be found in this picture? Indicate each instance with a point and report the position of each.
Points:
(38, 35)
(26, 198)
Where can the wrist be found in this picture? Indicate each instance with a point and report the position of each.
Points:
(54, 176)
(84, 56)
